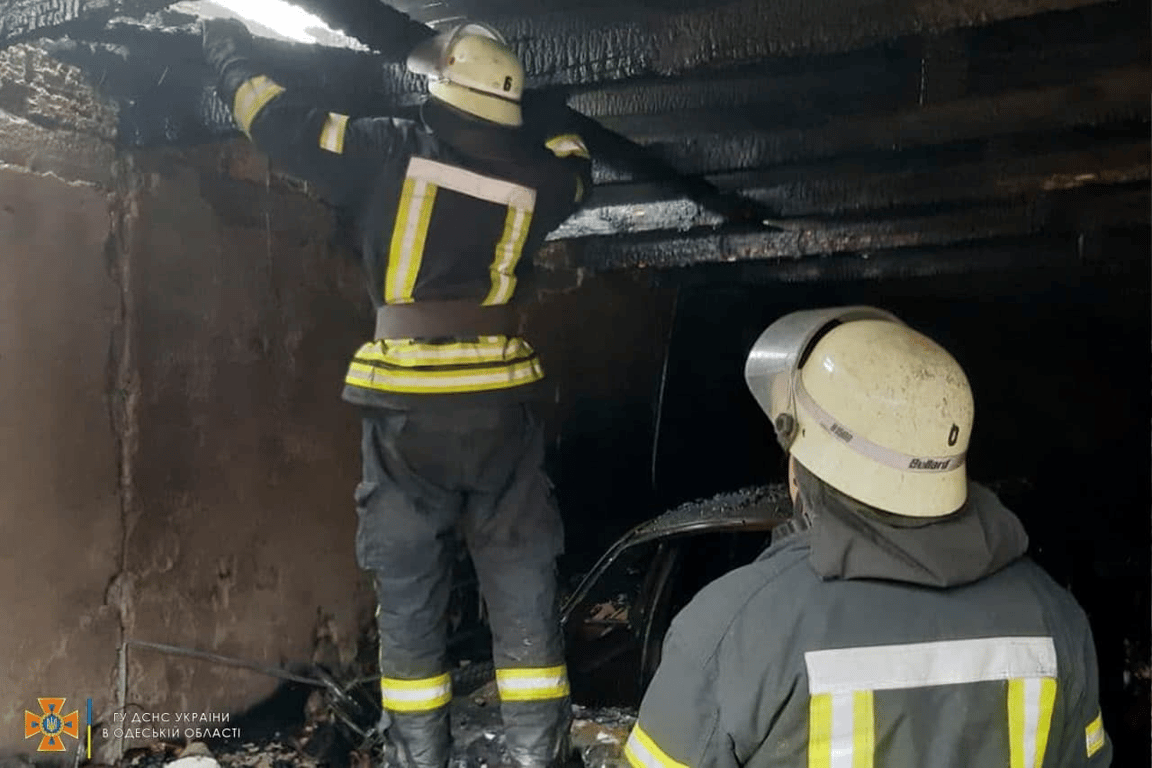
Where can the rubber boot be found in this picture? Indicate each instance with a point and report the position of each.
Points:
(420, 739)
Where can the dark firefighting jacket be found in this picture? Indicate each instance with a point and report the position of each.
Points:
(864, 641)
(445, 208)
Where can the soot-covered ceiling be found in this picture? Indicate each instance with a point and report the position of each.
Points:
(797, 136)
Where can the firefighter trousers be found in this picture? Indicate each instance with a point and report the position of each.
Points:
(429, 475)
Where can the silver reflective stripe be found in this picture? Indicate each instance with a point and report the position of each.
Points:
(878, 453)
(529, 684)
(472, 184)
(407, 265)
(417, 695)
(843, 730)
(508, 252)
(642, 751)
(918, 665)
(1094, 735)
(1031, 719)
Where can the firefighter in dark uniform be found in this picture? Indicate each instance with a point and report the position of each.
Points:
(447, 210)
(894, 621)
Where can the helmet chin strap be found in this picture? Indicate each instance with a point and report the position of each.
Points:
(801, 520)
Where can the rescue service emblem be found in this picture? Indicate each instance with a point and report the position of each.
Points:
(51, 725)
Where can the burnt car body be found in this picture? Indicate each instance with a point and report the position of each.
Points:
(616, 618)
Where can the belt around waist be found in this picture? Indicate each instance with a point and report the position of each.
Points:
(432, 319)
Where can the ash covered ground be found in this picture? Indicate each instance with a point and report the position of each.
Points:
(325, 741)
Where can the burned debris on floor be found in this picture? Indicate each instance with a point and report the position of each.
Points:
(322, 736)
(598, 735)
(615, 618)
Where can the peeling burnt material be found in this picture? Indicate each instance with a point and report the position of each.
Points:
(580, 42)
(393, 32)
(828, 190)
(24, 19)
(51, 119)
(982, 122)
(1111, 97)
(1060, 213)
(169, 96)
(187, 108)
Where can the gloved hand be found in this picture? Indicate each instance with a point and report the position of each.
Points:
(225, 41)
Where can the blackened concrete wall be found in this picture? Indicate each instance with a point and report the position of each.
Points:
(239, 519)
(61, 542)
(175, 463)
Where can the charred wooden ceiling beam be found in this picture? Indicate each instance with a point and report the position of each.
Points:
(1047, 50)
(343, 80)
(846, 190)
(978, 123)
(159, 77)
(1109, 97)
(167, 93)
(572, 41)
(1059, 212)
(392, 31)
(28, 19)
(1068, 260)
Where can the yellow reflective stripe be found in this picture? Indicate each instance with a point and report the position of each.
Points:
(490, 349)
(863, 729)
(1094, 735)
(508, 252)
(414, 212)
(841, 730)
(408, 237)
(820, 731)
(1016, 723)
(642, 752)
(532, 683)
(1044, 724)
(1030, 703)
(444, 382)
(393, 291)
(416, 695)
(332, 134)
(251, 97)
(567, 145)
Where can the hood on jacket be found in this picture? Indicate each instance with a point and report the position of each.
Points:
(850, 540)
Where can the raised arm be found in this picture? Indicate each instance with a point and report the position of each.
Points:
(321, 147)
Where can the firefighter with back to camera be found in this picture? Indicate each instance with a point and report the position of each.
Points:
(447, 210)
(894, 620)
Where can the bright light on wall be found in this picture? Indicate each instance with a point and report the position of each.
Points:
(276, 16)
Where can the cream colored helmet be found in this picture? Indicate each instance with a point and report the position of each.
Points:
(870, 406)
(471, 67)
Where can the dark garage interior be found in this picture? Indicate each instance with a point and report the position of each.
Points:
(177, 312)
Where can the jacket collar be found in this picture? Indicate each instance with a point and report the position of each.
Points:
(475, 138)
(850, 540)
